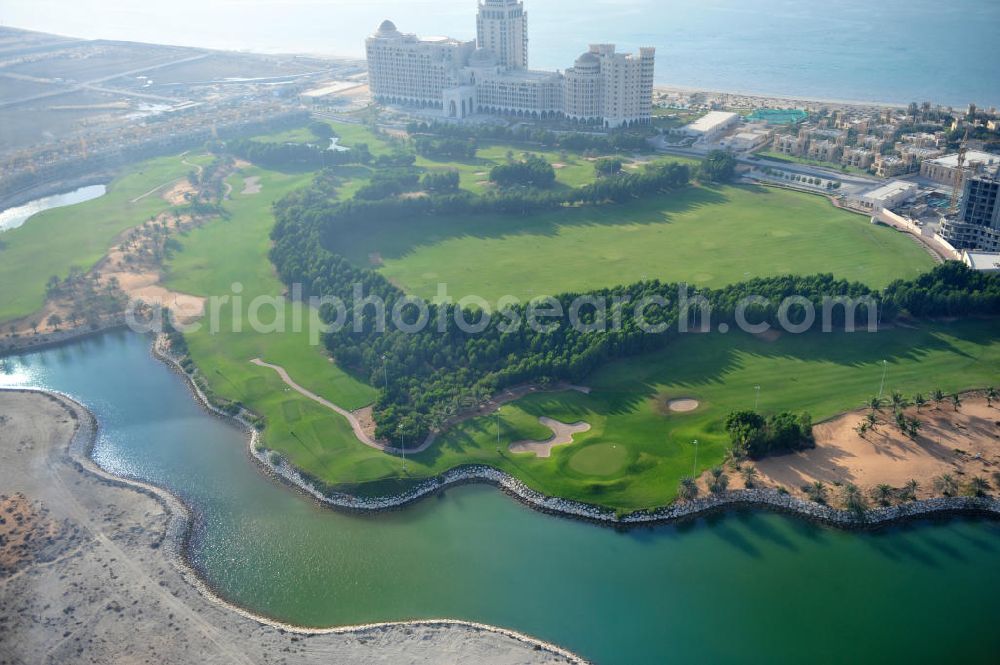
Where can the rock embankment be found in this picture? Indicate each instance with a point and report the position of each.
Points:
(761, 498)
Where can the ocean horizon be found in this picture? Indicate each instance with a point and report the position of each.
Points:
(894, 51)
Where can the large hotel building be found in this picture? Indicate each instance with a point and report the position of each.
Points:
(491, 75)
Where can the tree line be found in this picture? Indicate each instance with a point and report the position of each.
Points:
(442, 370)
(620, 140)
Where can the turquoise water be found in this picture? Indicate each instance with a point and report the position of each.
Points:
(886, 50)
(746, 587)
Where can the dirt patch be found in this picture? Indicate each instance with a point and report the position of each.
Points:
(562, 434)
(366, 419)
(375, 259)
(558, 165)
(179, 194)
(683, 405)
(251, 185)
(29, 535)
(964, 443)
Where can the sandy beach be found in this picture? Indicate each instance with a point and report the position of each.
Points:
(95, 582)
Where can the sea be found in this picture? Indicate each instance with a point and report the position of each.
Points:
(894, 51)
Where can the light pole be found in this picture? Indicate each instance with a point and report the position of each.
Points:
(385, 373)
(756, 397)
(498, 430)
(885, 368)
(694, 471)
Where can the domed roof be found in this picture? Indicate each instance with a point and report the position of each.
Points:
(387, 26)
(587, 59)
(482, 57)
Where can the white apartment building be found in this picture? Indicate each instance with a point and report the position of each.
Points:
(463, 78)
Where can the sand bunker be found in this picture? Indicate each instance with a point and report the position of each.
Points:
(251, 185)
(682, 405)
(561, 435)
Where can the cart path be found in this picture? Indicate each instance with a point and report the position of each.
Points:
(487, 408)
(359, 431)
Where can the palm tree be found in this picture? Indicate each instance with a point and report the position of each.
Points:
(688, 489)
(872, 420)
(991, 394)
(919, 400)
(882, 493)
(862, 428)
(854, 501)
(898, 401)
(875, 404)
(909, 491)
(956, 402)
(749, 474)
(817, 491)
(913, 427)
(978, 486)
(937, 396)
(945, 484)
(901, 422)
(719, 481)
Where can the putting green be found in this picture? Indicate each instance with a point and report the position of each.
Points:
(600, 459)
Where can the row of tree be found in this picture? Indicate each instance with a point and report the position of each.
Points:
(621, 140)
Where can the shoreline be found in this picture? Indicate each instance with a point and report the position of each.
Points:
(179, 530)
(567, 508)
(179, 524)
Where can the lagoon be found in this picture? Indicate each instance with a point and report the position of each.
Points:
(740, 587)
(12, 218)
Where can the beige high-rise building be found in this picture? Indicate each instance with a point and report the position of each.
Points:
(462, 78)
(502, 27)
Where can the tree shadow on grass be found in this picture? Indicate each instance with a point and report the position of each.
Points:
(398, 239)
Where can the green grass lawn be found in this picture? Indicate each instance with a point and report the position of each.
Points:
(234, 250)
(572, 169)
(80, 235)
(706, 236)
(637, 450)
(779, 157)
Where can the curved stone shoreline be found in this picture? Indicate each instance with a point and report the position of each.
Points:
(179, 528)
(755, 498)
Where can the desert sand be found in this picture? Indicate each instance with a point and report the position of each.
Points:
(963, 443)
(99, 588)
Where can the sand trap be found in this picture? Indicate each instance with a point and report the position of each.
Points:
(251, 185)
(561, 435)
(683, 405)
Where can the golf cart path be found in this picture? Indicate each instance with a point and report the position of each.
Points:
(356, 426)
(491, 406)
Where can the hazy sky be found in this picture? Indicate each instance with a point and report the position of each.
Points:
(892, 50)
